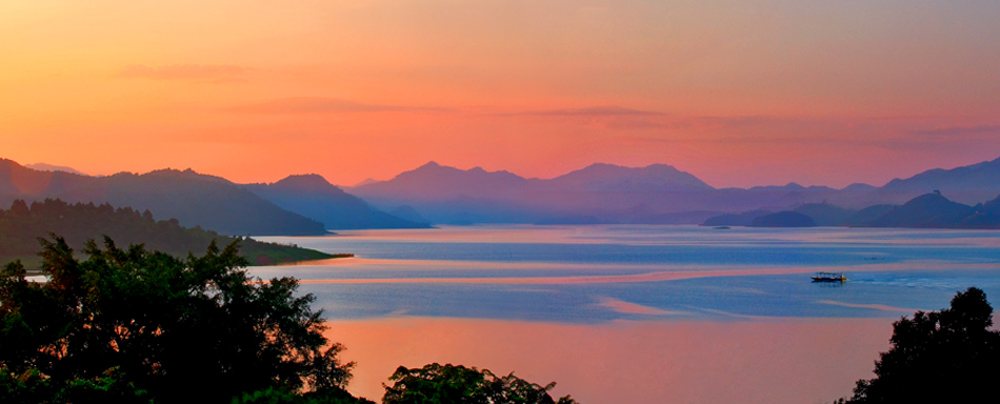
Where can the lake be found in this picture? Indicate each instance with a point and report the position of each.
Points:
(680, 314)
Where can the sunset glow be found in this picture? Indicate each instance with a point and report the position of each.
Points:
(737, 93)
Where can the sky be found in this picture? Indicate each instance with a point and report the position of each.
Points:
(736, 92)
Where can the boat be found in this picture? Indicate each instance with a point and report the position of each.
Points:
(829, 277)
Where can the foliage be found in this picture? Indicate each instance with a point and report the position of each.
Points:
(946, 356)
(32, 387)
(129, 324)
(284, 396)
(448, 384)
(23, 224)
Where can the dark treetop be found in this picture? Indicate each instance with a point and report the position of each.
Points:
(946, 356)
(130, 325)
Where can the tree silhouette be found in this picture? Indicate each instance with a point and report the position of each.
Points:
(946, 356)
(451, 384)
(129, 325)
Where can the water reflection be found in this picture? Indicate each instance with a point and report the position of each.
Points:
(774, 361)
(570, 273)
(644, 314)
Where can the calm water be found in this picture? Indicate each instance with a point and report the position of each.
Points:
(592, 274)
(680, 314)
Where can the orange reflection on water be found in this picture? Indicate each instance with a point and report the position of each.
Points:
(761, 361)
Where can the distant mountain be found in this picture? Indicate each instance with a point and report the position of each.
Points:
(933, 210)
(987, 215)
(790, 187)
(433, 181)
(928, 210)
(825, 214)
(409, 213)
(365, 182)
(867, 215)
(968, 184)
(609, 177)
(313, 197)
(735, 219)
(784, 219)
(822, 214)
(193, 199)
(599, 193)
(857, 186)
(606, 193)
(50, 167)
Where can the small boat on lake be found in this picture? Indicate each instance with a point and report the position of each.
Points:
(829, 277)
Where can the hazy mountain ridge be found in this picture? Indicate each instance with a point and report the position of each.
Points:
(931, 210)
(193, 199)
(596, 194)
(606, 193)
(788, 218)
(52, 167)
(432, 181)
(314, 197)
(966, 184)
(599, 193)
(610, 177)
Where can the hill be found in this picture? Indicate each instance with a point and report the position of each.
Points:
(825, 214)
(610, 177)
(735, 219)
(987, 215)
(193, 199)
(784, 219)
(23, 224)
(433, 181)
(967, 184)
(867, 215)
(603, 193)
(598, 193)
(928, 210)
(51, 167)
(606, 193)
(315, 198)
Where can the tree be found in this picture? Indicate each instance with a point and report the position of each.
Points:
(451, 384)
(946, 356)
(147, 326)
(21, 226)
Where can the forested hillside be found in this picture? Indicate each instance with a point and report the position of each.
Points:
(22, 224)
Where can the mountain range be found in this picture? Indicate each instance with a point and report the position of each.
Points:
(194, 199)
(930, 210)
(313, 197)
(656, 194)
(433, 193)
(596, 193)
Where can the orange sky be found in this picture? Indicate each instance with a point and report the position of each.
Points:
(736, 92)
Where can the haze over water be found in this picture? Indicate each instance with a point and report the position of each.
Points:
(638, 313)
